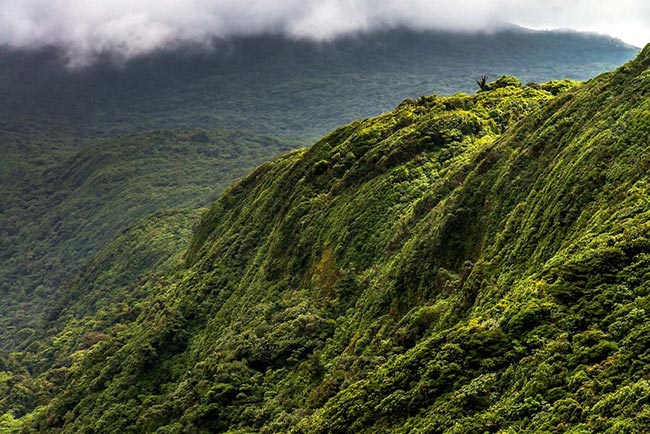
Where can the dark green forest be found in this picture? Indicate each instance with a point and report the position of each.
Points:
(281, 87)
(61, 207)
(475, 262)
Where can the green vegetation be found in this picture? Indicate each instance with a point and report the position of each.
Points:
(462, 264)
(84, 156)
(466, 263)
(133, 266)
(62, 206)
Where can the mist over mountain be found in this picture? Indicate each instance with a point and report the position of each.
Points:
(86, 30)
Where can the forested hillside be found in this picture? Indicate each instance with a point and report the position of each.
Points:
(89, 152)
(472, 263)
(61, 204)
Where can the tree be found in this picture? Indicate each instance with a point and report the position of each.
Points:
(483, 83)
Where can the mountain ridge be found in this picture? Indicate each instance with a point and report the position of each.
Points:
(462, 263)
(237, 84)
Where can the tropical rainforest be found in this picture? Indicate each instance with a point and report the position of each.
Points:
(476, 262)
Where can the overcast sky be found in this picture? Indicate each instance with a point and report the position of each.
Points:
(131, 27)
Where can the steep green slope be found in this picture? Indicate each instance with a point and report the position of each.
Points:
(461, 264)
(83, 156)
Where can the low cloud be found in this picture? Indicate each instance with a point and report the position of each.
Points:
(127, 28)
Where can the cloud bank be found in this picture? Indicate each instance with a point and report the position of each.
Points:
(126, 28)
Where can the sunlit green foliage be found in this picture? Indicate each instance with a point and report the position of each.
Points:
(462, 264)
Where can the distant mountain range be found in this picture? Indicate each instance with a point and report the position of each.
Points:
(285, 87)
